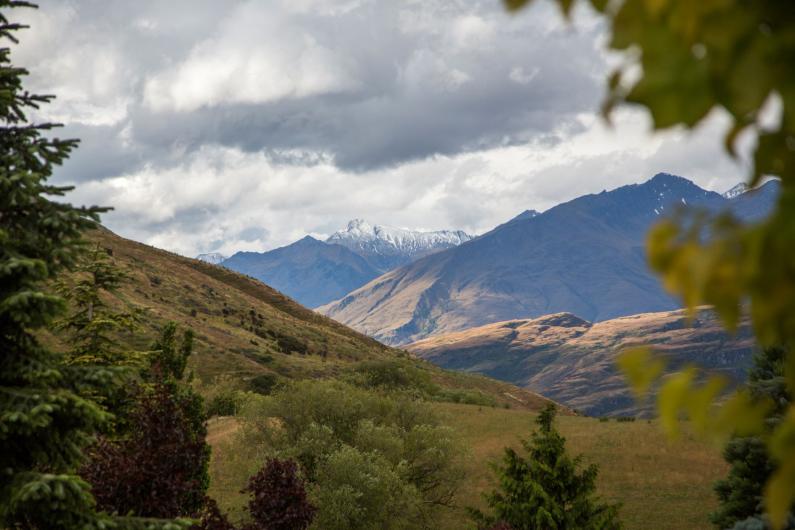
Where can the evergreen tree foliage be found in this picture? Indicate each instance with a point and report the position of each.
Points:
(741, 492)
(44, 421)
(168, 360)
(278, 498)
(546, 490)
(92, 325)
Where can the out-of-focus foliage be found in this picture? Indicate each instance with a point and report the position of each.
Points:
(547, 489)
(740, 493)
(373, 459)
(737, 55)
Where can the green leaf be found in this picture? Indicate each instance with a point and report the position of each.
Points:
(672, 398)
(640, 368)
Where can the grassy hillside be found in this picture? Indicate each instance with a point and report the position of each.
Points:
(573, 361)
(245, 328)
(662, 485)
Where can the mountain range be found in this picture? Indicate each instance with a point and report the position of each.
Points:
(314, 272)
(586, 257)
(387, 248)
(572, 361)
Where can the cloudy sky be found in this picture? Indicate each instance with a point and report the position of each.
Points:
(244, 125)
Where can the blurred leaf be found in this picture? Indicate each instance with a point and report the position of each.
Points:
(515, 5)
(672, 398)
(701, 401)
(779, 495)
(640, 368)
(741, 415)
(780, 490)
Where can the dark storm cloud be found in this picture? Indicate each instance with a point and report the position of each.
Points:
(369, 84)
(245, 125)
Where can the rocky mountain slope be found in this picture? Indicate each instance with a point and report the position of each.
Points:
(572, 360)
(309, 271)
(314, 272)
(386, 247)
(586, 257)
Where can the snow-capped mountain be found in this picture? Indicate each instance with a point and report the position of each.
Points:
(737, 190)
(585, 256)
(211, 257)
(388, 247)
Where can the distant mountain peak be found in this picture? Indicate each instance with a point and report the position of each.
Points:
(666, 178)
(388, 247)
(736, 190)
(211, 257)
(527, 214)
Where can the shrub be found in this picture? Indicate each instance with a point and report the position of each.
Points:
(393, 374)
(222, 404)
(358, 490)
(396, 441)
(288, 344)
(211, 518)
(278, 498)
(263, 383)
(160, 470)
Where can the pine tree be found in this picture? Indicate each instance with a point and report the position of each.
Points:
(92, 325)
(740, 493)
(546, 490)
(44, 421)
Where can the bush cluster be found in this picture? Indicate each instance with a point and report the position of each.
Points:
(372, 459)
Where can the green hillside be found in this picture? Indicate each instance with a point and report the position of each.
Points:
(245, 328)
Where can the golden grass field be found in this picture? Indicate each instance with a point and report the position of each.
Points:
(661, 484)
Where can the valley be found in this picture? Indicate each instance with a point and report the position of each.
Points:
(573, 361)
(662, 485)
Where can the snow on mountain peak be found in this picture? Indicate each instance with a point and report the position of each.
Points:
(211, 257)
(736, 190)
(363, 237)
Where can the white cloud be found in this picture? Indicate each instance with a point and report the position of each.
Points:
(256, 57)
(245, 125)
(519, 75)
(217, 197)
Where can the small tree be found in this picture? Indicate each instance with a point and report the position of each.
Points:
(157, 470)
(91, 324)
(160, 469)
(546, 490)
(168, 361)
(278, 498)
(741, 492)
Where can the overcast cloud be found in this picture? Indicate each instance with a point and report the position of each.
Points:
(244, 125)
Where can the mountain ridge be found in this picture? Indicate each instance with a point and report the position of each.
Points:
(572, 360)
(316, 272)
(585, 256)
